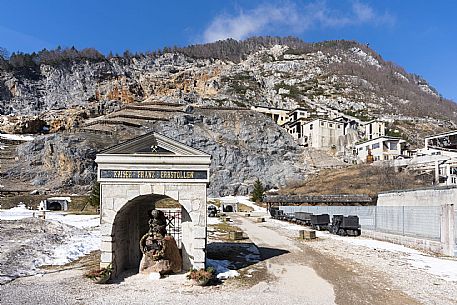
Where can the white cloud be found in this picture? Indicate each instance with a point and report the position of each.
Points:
(253, 21)
(292, 18)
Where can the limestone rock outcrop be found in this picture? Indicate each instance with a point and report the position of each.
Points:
(244, 146)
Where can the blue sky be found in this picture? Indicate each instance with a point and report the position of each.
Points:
(420, 36)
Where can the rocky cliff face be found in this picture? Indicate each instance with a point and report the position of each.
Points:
(342, 75)
(63, 99)
(244, 146)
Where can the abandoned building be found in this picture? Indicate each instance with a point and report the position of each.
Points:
(321, 133)
(373, 129)
(382, 148)
(133, 177)
(279, 116)
(439, 156)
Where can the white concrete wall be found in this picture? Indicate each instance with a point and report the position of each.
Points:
(425, 197)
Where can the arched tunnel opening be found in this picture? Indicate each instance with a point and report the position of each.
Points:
(131, 223)
(228, 208)
(54, 206)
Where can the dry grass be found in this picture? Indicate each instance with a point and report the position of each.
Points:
(86, 262)
(244, 208)
(225, 227)
(360, 179)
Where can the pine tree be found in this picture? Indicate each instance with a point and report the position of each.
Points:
(258, 191)
(94, 199)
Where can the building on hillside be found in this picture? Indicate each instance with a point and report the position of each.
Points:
(442, 142)
(322, 133)
(381, 149)
(295, 129)
(373, 129)
(298, 113)
(279, 116)
(438, 157)
(322, 127)
(349, 124)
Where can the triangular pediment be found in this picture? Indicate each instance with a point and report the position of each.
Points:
(153, 144)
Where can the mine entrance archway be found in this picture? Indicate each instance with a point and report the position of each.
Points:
(228, 208)
(134, 176)
(131, 223)
(54, 206)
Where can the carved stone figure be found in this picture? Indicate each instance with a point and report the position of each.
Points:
(160, 252)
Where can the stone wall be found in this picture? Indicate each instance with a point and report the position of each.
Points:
(123, 210)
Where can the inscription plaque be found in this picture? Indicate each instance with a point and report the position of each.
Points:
(153, 174)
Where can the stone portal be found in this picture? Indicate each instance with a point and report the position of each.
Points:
(135, 175)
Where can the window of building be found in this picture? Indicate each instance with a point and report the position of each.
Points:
(393, 146)
(310, 126)
(322, 123)
(339, 126)
(386, 157)
(330, 125)
(375, 145)
(368, 147)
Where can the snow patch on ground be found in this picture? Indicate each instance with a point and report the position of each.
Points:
(79, 221)
(445, 269)
(245, 200)
(221, 268)
(58, 240)
(16, 137)
(213, 220)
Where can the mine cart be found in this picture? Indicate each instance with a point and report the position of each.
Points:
(320, 222)
(303, 218)
(212, 211)
(276, 213)
(345, 225)
(273, 212)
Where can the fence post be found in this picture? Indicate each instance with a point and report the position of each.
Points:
(447, 229)
(403, 220)
(375, 218)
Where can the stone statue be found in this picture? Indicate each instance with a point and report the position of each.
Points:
(160, 252)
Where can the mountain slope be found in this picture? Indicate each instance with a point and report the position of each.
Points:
(66, 91)
(344, 75)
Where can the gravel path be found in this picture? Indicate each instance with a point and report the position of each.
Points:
(395, 269)
(326, 271)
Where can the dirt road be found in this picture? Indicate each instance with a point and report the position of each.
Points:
(318, 277)
(292, 277)
(290, 272)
